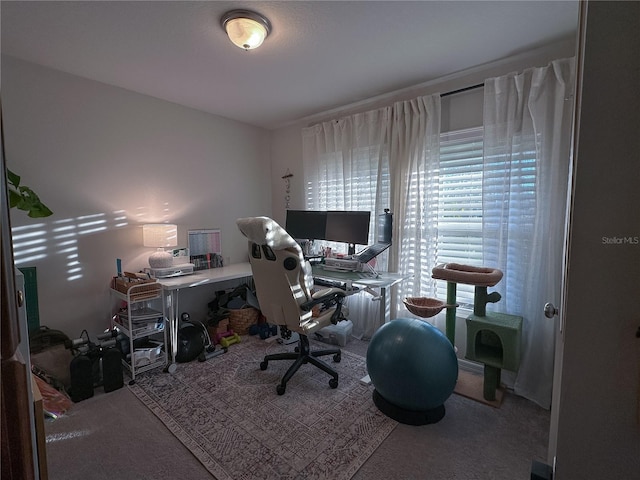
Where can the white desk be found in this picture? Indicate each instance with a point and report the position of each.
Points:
(173, 285)
(383, 281)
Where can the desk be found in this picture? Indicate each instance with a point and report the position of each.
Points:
(383, 281)
(171, 287)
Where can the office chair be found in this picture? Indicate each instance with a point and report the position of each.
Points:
(283, 284)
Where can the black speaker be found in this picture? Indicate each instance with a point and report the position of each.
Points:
(112, 370)
(385, 227)
(81, 371)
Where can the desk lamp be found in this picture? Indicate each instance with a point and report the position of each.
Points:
(160, 235)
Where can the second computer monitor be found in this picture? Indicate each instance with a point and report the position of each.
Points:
(350, 227)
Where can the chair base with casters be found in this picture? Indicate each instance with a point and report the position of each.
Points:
(302, 355)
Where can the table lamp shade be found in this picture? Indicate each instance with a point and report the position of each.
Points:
(160, 235)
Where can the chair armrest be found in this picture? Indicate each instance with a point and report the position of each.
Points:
(328, 292)
(328, 297)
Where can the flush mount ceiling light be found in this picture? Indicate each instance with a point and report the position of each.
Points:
(246, 29)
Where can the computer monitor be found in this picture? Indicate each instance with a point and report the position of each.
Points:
(306, 224)
(348, 227)
(351, 227)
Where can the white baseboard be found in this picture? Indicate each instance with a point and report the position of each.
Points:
(471, 367)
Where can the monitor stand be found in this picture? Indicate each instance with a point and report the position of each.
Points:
(352, 249)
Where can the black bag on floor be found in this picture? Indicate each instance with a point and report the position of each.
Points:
(45, 337)
(112, 378)
(81, 370)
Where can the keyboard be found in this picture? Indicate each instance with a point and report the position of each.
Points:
(327, 283)
(321, 282)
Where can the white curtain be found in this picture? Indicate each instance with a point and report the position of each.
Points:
(346, 167)
(372, 161)
(527, 143)
(415, 158)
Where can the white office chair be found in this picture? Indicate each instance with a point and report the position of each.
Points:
(283, 283)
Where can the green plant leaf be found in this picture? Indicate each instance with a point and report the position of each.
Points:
(23, 198)
(39, 211)
(13, 179)
(14, 199)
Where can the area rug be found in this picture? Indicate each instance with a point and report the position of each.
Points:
(227, 413)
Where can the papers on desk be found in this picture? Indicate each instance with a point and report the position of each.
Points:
(341, 265)
(173, 271)
(336, 273)
(349, 266)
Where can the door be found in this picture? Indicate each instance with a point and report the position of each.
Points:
(17, 433)
(595, 429)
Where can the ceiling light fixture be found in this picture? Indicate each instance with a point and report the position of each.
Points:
(246, 29)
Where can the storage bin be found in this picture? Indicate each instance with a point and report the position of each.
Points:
(335, 334)
(146, 356)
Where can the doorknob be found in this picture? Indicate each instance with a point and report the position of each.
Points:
(550, 310)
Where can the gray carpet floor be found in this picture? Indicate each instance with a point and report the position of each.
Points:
(114, 436)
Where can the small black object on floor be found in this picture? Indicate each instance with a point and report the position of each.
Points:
(541, 471)
(81, 372)
(408, 417)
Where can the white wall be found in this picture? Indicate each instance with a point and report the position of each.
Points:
(107, 160)
(286, 155)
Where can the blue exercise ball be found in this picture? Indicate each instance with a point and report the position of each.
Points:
(412, 364)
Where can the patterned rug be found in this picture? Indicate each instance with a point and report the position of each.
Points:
(227, 413)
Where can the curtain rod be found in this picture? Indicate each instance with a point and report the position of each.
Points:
(460, 90)
(446, 94)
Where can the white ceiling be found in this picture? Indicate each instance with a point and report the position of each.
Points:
(320, 55)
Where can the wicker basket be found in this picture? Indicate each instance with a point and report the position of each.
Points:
(241, 319)
(143, 288)
(424, 306)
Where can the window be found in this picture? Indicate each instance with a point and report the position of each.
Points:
(459, 220)
(358, 183)
(352, 185)
(449, 203)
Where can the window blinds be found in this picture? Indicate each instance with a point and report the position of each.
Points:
(460, 205)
